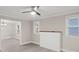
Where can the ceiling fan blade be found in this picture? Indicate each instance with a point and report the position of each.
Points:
(37, 7)
(26, 11)
(32, 7)
(37, 12)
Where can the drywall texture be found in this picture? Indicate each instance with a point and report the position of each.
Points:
(58, 24)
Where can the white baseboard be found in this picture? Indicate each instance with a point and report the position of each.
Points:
(25, 43)
(36, 43)
(66, 50)
(29, 42)
(51, 49)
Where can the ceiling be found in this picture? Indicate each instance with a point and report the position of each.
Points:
(46, 11)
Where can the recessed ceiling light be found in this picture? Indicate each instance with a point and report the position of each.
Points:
(33, 13)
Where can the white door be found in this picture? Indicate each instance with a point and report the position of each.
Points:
(50, 40)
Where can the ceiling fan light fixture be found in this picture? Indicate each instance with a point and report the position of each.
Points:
(33, 13)
(35, 8)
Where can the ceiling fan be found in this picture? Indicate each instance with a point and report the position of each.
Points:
(33, 10)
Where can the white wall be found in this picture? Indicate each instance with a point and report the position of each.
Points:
(58, 24)
(36, 33)
(26, 27)
(26, 30)
(9, 30)
(0, 34)
(51, 40)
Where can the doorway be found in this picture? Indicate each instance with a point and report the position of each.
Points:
(10, 34)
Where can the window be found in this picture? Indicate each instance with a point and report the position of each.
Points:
(73, 26)
(36, 25)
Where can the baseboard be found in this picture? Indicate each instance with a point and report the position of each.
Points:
(29, 42)
(56, 50)
(36, 43)
(66, 50)
(25, 43)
